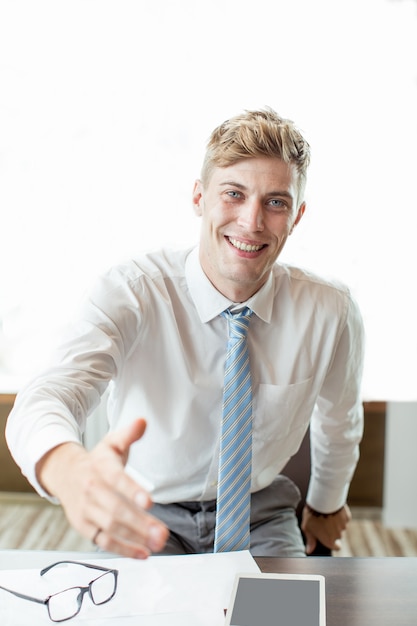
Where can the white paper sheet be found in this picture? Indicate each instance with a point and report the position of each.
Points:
(207, 617)
(192, 589)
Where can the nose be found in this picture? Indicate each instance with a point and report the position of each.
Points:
(251, 216)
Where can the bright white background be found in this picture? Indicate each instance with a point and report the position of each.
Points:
(105, 108)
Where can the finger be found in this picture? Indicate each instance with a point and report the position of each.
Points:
(149, 535)
(108, 543)
(311, 543)
(124, 521)
(113, 501)
(120, 483)
(337, 545)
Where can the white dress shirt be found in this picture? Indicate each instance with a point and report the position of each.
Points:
(152, 329)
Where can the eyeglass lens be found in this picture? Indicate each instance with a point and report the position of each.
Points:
(103, 588)
(67, 604)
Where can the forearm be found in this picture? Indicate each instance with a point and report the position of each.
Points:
(35, 427)
(337, 422)
(54, 468)
(335, 443)
(48, 412)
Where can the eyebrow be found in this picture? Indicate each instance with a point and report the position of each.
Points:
(285, 194)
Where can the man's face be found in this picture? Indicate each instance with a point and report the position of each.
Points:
(248, 210)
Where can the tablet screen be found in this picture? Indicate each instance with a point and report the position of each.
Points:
(277, 599)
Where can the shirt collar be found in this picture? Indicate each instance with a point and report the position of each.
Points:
(209, 302)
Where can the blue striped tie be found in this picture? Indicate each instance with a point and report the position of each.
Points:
(233, 494)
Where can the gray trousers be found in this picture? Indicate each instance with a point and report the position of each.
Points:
(274, 529)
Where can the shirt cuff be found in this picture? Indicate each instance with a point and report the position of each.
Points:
(325, 499)
(38, 447)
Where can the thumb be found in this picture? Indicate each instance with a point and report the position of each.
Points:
(122, 439)
(311, 542)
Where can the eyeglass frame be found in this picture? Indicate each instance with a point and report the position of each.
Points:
(83, 590)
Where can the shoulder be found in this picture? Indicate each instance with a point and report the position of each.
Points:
(149, 267)
(314, 291)
(130, 292)
(302, 278)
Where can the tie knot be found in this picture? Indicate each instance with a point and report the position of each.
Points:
(238, 322)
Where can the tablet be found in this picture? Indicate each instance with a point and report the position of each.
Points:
(277, 600)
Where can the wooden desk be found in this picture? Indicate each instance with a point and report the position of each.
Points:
(360, 591)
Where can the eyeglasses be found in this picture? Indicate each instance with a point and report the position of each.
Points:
(66, 604)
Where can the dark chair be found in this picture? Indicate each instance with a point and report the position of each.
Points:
(298, 469)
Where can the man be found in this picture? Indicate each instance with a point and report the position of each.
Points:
(156, 329)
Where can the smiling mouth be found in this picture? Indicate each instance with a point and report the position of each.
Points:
(245, 247)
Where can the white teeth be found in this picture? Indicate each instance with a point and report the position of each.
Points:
(245, 247)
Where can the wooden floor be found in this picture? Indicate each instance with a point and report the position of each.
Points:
(30, 523)
(366, 535)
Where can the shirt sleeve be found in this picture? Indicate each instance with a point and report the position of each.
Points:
(52, 409)
(337, 421)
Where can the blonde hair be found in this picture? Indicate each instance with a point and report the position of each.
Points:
(257, 133)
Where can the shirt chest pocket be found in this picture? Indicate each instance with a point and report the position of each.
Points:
(277, 409)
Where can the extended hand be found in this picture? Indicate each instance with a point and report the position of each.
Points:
(97, 494)
(327, 530)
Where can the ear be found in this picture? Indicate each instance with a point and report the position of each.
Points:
(198, 198)
(300, 214)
